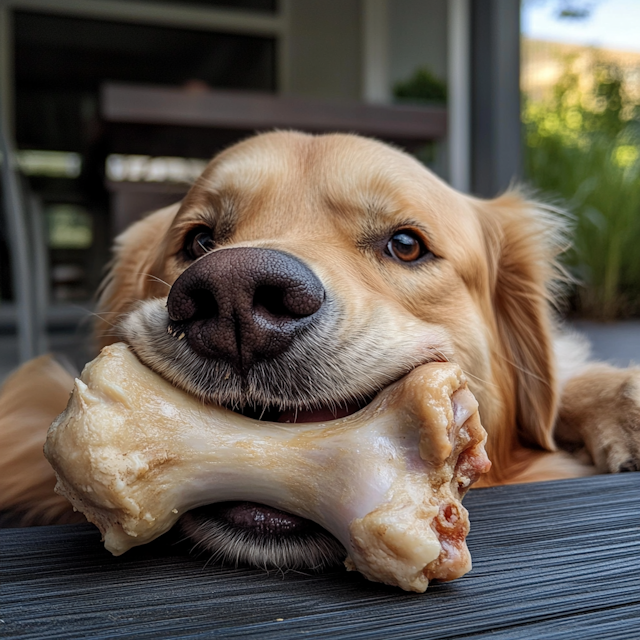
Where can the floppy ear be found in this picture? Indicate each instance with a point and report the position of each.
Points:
(523, 240)
(133, 272)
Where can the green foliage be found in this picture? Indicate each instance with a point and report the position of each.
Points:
(422, 86)
(583, 150)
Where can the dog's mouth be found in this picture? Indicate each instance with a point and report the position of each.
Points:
(255, 534)
(258, 535)
(300, 415)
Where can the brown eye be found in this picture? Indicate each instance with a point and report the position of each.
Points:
(406, 246)
(200, 242)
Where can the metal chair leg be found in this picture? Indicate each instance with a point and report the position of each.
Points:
(22, 268)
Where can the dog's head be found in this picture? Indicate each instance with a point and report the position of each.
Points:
(302, 274)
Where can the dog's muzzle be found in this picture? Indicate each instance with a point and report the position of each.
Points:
(244, 305)
(255, 331)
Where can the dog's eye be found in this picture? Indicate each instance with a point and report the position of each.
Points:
(200, 242)
(406, 246)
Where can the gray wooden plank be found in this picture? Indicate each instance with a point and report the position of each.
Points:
(552, 560)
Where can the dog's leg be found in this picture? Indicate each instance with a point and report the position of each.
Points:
(29, 401)
(600, 412)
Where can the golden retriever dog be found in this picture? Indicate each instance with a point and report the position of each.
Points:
(303, 274)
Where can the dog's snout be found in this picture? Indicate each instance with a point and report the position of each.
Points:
(244, 305)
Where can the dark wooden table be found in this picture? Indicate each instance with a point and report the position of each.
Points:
(553, 560)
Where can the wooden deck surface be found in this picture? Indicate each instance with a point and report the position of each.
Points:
(556, 560)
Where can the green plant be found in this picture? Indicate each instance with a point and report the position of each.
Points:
(422, 86)
(583, 149)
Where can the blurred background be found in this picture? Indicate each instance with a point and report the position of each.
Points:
(110, 108)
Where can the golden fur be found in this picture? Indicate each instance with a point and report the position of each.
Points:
(30, 399)
(484, 303)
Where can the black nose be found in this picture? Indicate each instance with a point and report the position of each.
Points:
(244, 305)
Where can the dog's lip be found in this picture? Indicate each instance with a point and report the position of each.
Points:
(304, 415)
(338, 410)
(256, 518)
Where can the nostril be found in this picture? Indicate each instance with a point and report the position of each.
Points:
(205, 304)
(271, 299)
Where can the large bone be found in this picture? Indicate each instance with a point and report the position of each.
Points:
(133, 453)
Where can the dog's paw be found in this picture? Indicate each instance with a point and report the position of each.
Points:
(600, 411)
